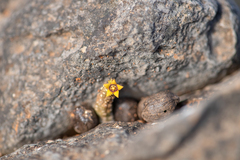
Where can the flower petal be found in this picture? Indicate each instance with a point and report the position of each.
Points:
(109, 93)
(107, 85)
(116, 94)
(119, 87)
(113, 81)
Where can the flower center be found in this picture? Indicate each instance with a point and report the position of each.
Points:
(113, 88)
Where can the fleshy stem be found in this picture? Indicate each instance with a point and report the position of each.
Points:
(105, 97)
(103, 106)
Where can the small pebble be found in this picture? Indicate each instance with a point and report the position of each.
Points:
(157, 106)
(85, 118)
(125, 110)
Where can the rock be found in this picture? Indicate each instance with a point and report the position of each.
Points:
(125, 110)
(7, 8)
(85, 118)
(208, 131)
(103, 140)
(3, 5)
(53, 54)
(157, 106)
(196, 98)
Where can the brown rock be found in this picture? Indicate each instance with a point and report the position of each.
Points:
(125, 110)
(157, 106)
(85, 118)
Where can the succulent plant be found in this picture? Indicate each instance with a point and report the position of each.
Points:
(105, 97)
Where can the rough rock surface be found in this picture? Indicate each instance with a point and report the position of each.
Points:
(103, 140)
(55, 53)
(7, 8)
(207, 131)
(196, 98)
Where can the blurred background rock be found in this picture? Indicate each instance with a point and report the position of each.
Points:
(238, 2)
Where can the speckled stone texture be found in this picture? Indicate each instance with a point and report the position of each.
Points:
(54, 54)
(105, 139)
(205, 131)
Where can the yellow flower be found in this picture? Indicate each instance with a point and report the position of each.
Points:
(112, 88)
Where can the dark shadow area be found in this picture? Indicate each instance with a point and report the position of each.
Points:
(181, 104)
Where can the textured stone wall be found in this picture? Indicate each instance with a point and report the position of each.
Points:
(56, 54)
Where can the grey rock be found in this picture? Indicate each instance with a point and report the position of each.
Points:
(54, 54)
(8, 8)
(3, 5)
(199, 97)
(103, 140)
(208, 131)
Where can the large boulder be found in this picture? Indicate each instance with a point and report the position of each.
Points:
(208, 130)
(56, 54)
